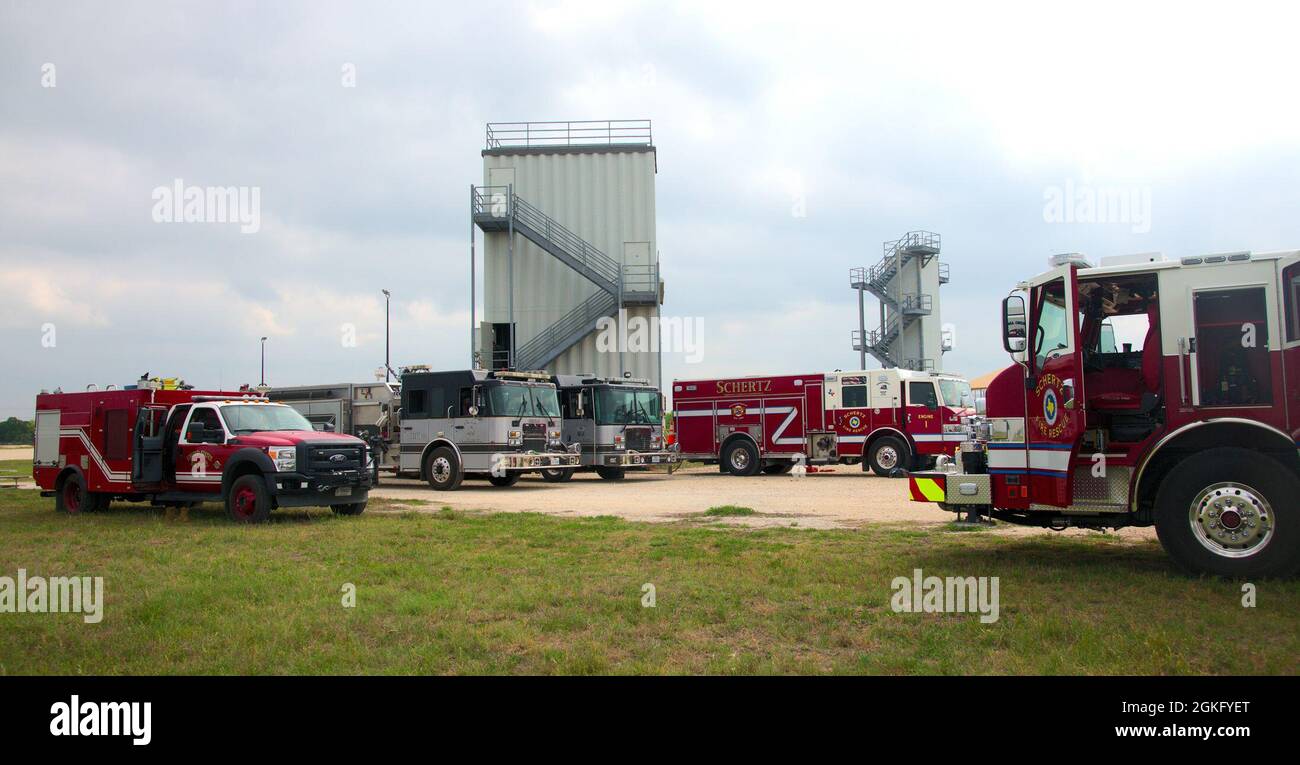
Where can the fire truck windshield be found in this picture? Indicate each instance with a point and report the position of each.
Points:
(523, 400)
(626, 406)
(253, 418)
(956, 393)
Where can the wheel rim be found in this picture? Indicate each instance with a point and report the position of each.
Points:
(887, 457)
(440, 469)
(739, 459)
(244, 502)
(72, 496)
(1231, 520)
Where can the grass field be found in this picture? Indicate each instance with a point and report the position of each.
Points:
(452, 592)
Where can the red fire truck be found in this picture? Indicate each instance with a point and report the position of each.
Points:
(1147, 392)
(890, 420)
(179, 447)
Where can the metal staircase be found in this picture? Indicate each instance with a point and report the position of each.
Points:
(880, 281)
(499, 209)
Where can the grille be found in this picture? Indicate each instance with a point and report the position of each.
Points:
(637, 438)
(324, 459)
(535, 436)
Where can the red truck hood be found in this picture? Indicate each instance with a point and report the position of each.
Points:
(294, 437)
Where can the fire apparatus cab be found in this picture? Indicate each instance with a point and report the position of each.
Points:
(1147, 392)
(495, 424)
(616, 423)
(179, 447)
(889, 420)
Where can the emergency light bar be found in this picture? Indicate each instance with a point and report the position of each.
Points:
(1069, 259)
(240, 399)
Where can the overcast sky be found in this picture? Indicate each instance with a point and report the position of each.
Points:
(792, 140)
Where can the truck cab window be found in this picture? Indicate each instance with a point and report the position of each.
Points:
(204, 417)
(417, 403)
(1052, 330)
(923, 394)
(854, 396)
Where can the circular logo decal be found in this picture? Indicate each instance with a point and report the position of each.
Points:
(737, 410)
(1051, 407)
(855, 422)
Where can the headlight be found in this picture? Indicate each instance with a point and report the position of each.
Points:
(618, 442)
(515, 438)
(656, 440)
(284, 457)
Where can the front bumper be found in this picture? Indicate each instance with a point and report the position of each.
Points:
(320, 490)
(951, 488)
(536, 460)
(637, 459)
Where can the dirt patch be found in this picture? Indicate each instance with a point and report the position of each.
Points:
(839, 497)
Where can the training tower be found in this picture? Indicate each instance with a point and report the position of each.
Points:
(567, 211)
(906, 285)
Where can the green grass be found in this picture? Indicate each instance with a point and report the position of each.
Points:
(725, 510)
(461, 592)
(21, 467)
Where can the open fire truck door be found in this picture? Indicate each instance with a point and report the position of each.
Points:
(1054, 395)
(150, 434)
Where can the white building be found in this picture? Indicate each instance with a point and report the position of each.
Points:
(567, 211)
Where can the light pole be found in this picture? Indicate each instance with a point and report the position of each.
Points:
(388, 368)
(264, 362)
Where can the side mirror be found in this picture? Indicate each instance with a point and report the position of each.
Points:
(1015, 329)
(329, 427)
(582, 411)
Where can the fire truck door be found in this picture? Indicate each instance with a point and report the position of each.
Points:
(923, 418)
(1054, 403)
(147, 454)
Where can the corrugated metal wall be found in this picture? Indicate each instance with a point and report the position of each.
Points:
(606, 196)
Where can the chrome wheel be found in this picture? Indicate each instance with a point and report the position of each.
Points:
(739, 460)
(1231, 519)
(440, 469)
(887, 457)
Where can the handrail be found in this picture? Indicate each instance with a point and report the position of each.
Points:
(599, 304)
(595, 260)
(569, 133)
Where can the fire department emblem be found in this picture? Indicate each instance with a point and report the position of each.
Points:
(737, 410)
(854, 423)
(1051, 407)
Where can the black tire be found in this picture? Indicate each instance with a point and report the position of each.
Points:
(887, 455)
(778, 468)
(353, 508)
(442, 469)
(509, 479)
(741, 458)
(611, 473)
(248, 500)
(71, 496)
(1260, 494)
(557, 475)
